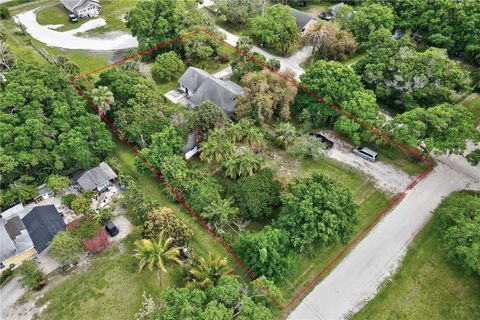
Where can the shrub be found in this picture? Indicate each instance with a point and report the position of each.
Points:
(68, 199)
(256, 196)
(307, 147)
(474, 157)
(81, 205)
(83, 228)
(4, 13)
(65, 248)
(7, 273)
(103, 215)
(97, 243)
(163, 219)
(58, 183)
(32, 276)
(167, 66)
(458, 218)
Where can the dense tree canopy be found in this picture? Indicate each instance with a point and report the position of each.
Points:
(256, 196)
(441, 129)
(167, 66)
(266, 253)
(317, 209)
(276, 28)
(458, 217)
(46, 128)
(406, 78)
(367, 18)
(162, 219)
(454, 25)
(207, 116)
(237, 12)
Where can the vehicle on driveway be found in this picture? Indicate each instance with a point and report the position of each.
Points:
(365, 153)
(73, 18)
(111, 228)
(328, 143)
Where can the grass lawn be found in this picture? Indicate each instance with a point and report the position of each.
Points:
(472, 102)
(19, 44)
(427, 286)
(57, 14)
(109, 288)
(114, 11)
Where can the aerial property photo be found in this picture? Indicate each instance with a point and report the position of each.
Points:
(239, 159)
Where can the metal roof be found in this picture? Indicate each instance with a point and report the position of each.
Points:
(301, 18)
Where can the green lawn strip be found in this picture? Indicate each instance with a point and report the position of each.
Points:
(427, 286)
(19, 43)
(57, 14)
(400, 158)
(109, 288)
(472, 102)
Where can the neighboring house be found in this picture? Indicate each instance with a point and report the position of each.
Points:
(333, 11)
(43, 223)
(303, 20)
(191, 147)
(15, 242)
(98, 178)
(200, 86)
(335, 8)
(82, 8)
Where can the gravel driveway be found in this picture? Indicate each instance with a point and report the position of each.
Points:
(70, 39)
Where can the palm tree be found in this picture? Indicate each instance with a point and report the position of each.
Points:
(318, 36)
(217, 148)
(219, 213)
(285, 134)
(103, 98)
(155, 254)
(253, 136)
(234, 132)
(243, 165)
(206, 272)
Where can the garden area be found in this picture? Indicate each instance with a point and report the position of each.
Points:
(433, 280)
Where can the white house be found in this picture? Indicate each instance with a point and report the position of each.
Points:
(82, 8)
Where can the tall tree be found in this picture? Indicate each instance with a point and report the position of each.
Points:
(155, 254)
(329, 40)
(217, 148)
(441, 129)
(243, 164)
(103, 99)
(277, 28)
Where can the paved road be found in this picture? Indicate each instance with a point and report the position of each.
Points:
(9, 294)
(357, 278)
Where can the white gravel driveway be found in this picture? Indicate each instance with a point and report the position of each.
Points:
(70, 39)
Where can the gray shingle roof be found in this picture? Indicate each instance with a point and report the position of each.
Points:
(43, 223)
(193, 78)
(90, 179)
(301, 18)
(221, 93)
(71, 5)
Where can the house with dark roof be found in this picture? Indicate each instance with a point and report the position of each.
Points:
(200, 86)
(82, 8)
(43, 223)
(302, 19)
(98, 178)
(15, 242)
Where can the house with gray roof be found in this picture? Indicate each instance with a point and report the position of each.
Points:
(200, 86)
(98, 178)
(82, 8)
(15, 242)
(43, 223)
(302, 19)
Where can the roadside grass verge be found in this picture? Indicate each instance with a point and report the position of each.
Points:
(427, 285)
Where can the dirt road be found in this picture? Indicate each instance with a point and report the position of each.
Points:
(358, 276)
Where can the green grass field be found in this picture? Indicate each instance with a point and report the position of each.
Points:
(56, 14)
(472, 102)
(427, 286)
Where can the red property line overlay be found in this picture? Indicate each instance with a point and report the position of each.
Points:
(190, 210)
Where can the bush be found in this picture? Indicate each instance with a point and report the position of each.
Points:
(163, 219)
(256, 196)
(167, 66)
(84, 228)
(458, 218)
(81, 205)
(474, 157)
(7, 273)
(65, 248)
(58, 183)
(68, 199)
(32, 276)
(307, 147)
(103, 215)
(4, 13)
(97, 243)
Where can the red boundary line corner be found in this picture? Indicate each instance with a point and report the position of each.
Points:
(190, 210)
